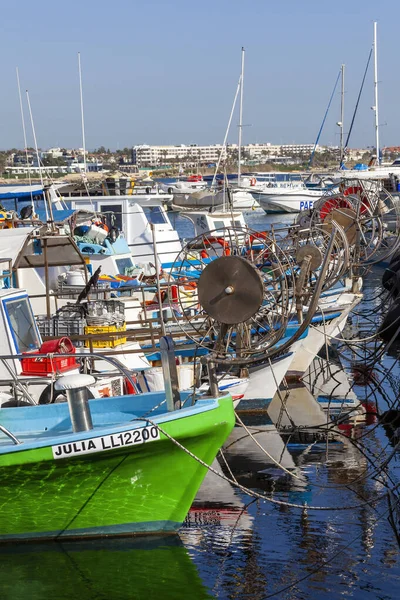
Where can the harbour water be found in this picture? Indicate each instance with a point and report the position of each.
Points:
(325, 531)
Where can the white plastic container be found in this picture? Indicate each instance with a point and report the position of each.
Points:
(155, 381)
(75, 278)
(97, 234)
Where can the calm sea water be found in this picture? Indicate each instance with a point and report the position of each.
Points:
(233, 546)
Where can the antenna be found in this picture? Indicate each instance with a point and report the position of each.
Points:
(25, 142)
(240, 116)
(82, 118)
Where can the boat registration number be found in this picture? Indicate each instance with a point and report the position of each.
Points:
(107, 442)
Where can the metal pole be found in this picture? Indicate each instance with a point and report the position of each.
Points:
(212, 377)
(25, 142)
(223, 152)
(47, 199)
(170, 373)
(342, 113)
(46, 278)
(36, 147)
(240, 117)
(156, 264)
(375, 108)
(82, 118)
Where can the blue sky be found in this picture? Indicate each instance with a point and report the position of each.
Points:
(166, 72)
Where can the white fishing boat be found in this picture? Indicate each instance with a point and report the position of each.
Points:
(145, 225)
(214, 222)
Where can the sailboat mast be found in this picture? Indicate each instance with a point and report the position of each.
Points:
(82, 118)
(342, 113)
(378, 159)
(240, 117)
(223, 153)
(25, 142)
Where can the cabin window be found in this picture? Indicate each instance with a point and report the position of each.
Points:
(219, 225)
(124, 265)
(23, 327)
(113, 215)
(155, 215)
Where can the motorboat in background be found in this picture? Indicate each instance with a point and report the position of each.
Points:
(183, 185)
(282, 192)
(217, 199)
(290, 200)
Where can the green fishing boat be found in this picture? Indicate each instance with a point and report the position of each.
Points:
(122, 475)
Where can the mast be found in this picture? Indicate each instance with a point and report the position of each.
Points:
(82, 118)
(34, 138)
(341, 124)
(375, 108)
(25, 142)
(223, 153)
(37, 154)
(240, 117)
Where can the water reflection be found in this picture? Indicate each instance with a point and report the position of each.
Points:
(276, 546)
(117, 569)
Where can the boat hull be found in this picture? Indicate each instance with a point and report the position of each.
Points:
(139, 489)
(290, 202)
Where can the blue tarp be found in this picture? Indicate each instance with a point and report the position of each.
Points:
(59, 215)
(9, 192)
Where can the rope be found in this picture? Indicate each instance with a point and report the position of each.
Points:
(248, 491)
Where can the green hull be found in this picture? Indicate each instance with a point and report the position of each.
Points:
(132, 489)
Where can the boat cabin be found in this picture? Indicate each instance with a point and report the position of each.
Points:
(137, 221)
(214, 221)
(19, 331)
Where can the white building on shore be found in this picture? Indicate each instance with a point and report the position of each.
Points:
(191, 155)
(153, 156)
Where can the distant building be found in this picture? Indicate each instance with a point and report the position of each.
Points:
(191, 155)
(153, 156)
(356, 153)
(299, 149)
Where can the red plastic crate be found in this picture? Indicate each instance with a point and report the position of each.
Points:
(44, 365)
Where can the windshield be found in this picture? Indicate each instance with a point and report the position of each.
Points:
(22, 323)
(124, 265)
(113, 214)
(155, 215)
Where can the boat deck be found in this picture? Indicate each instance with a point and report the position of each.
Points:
(40, 426)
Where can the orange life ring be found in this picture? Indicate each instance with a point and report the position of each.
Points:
(256, 238)
(253, 181)
(221, 241)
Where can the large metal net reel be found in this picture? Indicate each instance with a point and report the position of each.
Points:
(303, 241)
(241, 287)
(368, 215)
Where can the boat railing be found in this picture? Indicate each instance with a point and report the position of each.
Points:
(10, 435)
(84, 357)
(167, 350)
